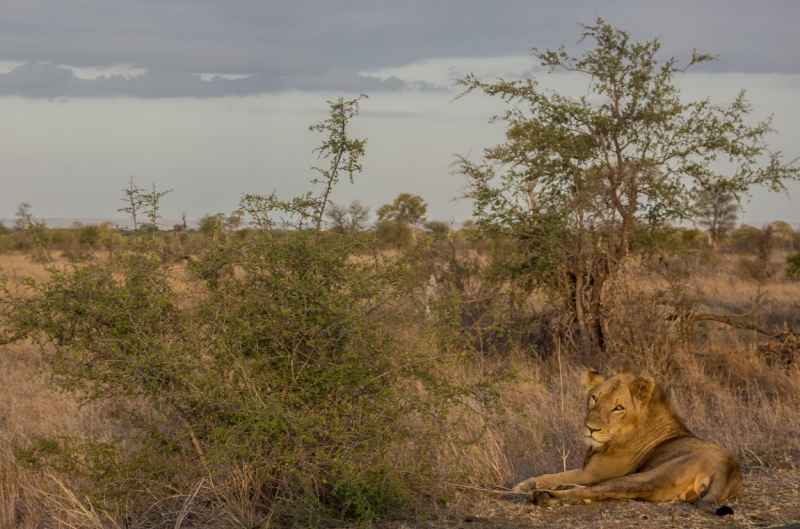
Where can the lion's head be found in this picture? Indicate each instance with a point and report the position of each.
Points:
(614, 407)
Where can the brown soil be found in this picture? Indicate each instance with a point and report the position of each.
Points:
(768, 498)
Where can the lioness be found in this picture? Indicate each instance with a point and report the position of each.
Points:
(639, 449)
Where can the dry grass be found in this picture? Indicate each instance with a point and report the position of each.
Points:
(17, 266)
(29, 409)
(720, 382)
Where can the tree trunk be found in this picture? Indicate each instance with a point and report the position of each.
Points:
(580, 314)
(596, 283)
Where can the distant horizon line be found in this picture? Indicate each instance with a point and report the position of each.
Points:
(55, 222)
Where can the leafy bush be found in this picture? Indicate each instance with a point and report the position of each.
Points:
(746, 238)
(274, 350)
(793, 268)
(393, 233)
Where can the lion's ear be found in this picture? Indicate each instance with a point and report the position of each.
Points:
(642, 389)
(591, 379)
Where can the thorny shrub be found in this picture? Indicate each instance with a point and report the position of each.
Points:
(278, 350)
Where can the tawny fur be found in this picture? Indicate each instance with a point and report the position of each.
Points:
(639, 449)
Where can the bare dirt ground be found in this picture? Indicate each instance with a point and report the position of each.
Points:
(768, 498)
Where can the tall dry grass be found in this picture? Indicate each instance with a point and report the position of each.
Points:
(724, 382)
(30, 410)
(728, 384)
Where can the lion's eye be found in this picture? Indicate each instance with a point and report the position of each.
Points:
(593, 399)
(619, 408)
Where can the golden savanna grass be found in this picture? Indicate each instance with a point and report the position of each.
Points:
(728, 384)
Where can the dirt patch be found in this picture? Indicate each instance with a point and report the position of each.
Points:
(768, 498)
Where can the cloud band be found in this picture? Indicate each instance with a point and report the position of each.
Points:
(49, 81)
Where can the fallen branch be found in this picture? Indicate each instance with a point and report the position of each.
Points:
(729, 319)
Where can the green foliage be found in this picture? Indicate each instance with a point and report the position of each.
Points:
(134, 202)
(399, 221)
(342, 151)
(579, 179)
(783, 234)
(24, 217)
(793, 267)
(406, 208)
(139, 202)
(90, 234)
(210, 224)
(438, 228)
(691, 237)
(75, 243)
(392, 233)
(746, 238)
(718, 210)
(31, 233)
(760, 243)
(276, 350)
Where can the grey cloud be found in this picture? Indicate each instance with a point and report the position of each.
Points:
(313, 42)
(425, 86)
(49, 81)
(344, 80)
(38, 81)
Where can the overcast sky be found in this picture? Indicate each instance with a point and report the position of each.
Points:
(214, 99)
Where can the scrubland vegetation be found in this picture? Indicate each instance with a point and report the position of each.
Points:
(439, 394)
(275, 369)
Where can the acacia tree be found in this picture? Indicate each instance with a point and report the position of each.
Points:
(347, 218)
(580, 180)
(24, 217)
(718, 210)
(406, 208)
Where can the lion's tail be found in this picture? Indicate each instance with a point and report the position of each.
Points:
(722, 485)
(722, 510)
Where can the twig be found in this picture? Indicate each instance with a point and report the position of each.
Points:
(564, 453)
(197, 446)
(505, 491)
(756, 456)
(188, 502)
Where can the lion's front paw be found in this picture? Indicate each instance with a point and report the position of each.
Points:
(568, 486)
(542, 498)
(525, 486)
(545, 482)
